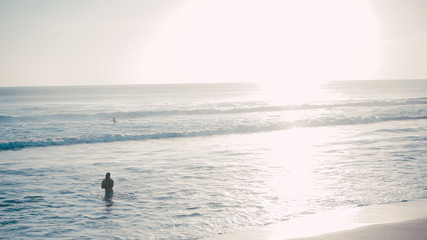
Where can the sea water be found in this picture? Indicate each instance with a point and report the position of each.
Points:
(197, 160)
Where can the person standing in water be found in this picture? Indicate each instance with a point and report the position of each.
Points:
(108, 184)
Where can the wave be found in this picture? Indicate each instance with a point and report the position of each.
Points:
(241, 129)
(106, 138)
(215, 111)
(267, 108)
(356, 121)
(15, 145)
(5, 118)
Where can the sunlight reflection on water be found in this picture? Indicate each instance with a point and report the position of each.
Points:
(215, 184)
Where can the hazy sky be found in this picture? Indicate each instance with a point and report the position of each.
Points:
(77, 42)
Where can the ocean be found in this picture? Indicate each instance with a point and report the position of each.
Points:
(197, 160)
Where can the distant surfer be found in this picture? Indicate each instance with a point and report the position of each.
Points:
(108, 184)
(114, 120)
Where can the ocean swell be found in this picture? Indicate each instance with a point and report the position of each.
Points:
(224, 130)
(239, 109)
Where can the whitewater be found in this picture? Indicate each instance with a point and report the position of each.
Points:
(197, 160)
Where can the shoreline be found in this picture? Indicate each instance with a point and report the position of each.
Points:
(402, 220)
(413, 230)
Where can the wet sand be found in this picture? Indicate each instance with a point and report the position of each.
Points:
(395, 221)
(413, 230)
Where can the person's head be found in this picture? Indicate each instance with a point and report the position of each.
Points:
(107, 176)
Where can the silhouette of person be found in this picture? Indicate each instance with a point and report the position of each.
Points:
(114, 120)
(108, 184)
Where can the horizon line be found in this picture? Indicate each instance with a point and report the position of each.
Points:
(207, 83)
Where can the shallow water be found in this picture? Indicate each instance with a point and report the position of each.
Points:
(221, 171)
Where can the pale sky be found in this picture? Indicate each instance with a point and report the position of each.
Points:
(98, 42)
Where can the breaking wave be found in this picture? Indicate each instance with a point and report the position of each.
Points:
(241, 129)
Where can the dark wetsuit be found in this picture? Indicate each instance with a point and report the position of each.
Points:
(108, 184)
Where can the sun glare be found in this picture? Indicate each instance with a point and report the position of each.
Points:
(296, 93)
(264, 41)
(295, 151)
